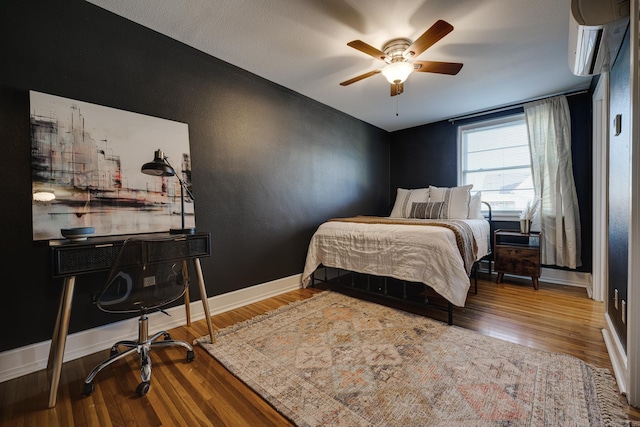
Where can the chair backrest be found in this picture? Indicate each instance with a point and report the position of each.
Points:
(148, 273)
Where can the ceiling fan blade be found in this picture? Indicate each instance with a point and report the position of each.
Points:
(428, 38)
(451, 68)
(360, 77)
(368, 49)
(397, 89)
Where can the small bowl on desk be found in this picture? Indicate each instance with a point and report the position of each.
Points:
(78, 233)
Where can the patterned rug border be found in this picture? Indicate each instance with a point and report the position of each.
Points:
(604, 382)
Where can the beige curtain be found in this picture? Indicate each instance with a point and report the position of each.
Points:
(549, 129)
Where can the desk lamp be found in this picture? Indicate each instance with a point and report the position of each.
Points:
(160, 166)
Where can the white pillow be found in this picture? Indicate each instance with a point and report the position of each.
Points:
(475, 206)
(405, 199)
(456, 200)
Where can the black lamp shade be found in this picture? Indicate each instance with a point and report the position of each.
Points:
(158, 167)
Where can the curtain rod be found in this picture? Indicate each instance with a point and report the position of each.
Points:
(519, 104)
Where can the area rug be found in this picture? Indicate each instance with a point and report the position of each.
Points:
(334, 360)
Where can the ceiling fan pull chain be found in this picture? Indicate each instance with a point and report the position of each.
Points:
(397, 97)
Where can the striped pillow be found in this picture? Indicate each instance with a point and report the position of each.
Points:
(404, 200)
(429, 210)
(456, 200)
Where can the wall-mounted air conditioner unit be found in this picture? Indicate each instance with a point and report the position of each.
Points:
(596, 31)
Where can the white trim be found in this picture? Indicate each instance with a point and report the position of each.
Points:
(617, 354)
(559, 277)
(633, 284)
(462, 167)
(513, 216)
(566, 278)
(25, 360)
(600, 106)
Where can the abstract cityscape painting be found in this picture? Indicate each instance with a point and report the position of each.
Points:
(86, 161)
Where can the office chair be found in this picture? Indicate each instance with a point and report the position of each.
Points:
(147, 274)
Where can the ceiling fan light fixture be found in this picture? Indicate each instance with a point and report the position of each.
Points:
(396, 54)
(397, 72)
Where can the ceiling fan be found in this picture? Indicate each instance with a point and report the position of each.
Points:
(397, 54)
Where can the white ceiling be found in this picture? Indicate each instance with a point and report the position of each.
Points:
(512, 50)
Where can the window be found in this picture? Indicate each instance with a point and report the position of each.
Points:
(495, 158)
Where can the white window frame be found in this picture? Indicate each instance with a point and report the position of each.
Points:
(497, 215)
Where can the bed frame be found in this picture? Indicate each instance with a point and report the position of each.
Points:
(379, 285)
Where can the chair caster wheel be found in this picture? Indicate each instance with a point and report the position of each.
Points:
(113, 351)
(167, 336)
(143, 388)
(88, 389)
(190, 355)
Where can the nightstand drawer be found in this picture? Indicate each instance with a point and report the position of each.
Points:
(515, 260)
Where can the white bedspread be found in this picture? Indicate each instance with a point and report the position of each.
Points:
(422, 253)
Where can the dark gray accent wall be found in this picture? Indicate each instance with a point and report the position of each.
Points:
(619, 207)
(269, 165)
(428, 155)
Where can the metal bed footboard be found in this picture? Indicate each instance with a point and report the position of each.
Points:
(380, 286)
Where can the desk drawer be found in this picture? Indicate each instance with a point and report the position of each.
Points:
(169, 250)
(71, 261)
(199, 246)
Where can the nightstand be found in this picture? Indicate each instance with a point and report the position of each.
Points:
(517, 253)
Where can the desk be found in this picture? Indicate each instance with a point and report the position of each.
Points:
(72, 258)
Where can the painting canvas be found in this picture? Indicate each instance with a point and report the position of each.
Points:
(86, 164)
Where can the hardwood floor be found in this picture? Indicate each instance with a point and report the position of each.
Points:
(554, 318)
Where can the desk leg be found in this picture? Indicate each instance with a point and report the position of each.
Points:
(59, 340)
(203, 297)
(187, 300)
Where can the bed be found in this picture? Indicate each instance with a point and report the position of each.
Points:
(438, 248)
